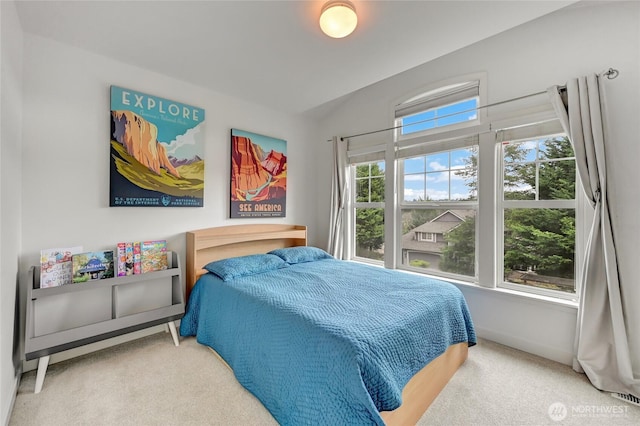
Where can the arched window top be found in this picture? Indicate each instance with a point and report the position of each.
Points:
(449, 105)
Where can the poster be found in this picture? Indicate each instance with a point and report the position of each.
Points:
(258, 175)
(156, 151)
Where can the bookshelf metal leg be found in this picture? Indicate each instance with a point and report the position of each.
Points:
(174, 332)
(43, 363)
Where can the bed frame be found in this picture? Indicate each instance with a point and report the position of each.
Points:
(207, 245)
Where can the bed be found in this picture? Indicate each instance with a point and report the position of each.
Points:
(319, 340)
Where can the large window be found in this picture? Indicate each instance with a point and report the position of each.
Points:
(438, 210)
(476, 198)
(539, 218)
(369, 210)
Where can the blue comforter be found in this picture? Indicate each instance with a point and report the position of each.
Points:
(327, 342)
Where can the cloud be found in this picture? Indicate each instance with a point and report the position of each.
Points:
(435, 165)
(188, 143)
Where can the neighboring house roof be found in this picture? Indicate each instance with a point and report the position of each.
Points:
(435, 227)
(424, 246)
(439, 225)
(462, 214)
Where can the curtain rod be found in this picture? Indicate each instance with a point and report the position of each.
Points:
(611, 73)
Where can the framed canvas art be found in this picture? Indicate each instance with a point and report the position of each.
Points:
(258, 175)
(156, 151)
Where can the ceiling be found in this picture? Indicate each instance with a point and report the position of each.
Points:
(273, 53)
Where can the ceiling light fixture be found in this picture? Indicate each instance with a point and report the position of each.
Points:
(338, 18)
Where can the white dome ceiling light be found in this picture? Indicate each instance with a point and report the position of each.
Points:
(338, 18)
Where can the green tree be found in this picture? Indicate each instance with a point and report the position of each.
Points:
(538, 239)
(460, 256)
(369, 221)
(370, 229)
(543, 240)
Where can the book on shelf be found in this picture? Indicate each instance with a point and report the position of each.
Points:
(153, 255)
(93, 265)
(121, 259)
(124, 254)
(56, 266)
(136, 258)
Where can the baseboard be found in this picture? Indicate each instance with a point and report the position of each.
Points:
(14, 392)
(535, 348)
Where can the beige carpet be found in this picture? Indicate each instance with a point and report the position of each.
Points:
(152, 382)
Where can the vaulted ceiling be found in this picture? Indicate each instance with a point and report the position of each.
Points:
(272, 52)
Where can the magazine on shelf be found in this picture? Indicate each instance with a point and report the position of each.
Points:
(94, 265)
(153, 255)
(125, 259)
(121, 259)
(136, 258)
(56, 266)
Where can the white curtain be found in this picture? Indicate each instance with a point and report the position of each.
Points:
(602, 340)
(339, 194)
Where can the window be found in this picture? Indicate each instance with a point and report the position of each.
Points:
(437, 210)
(494, 207)
(426, 236)
(539, 215)
(447, 115)
(446, 106)
(369, 210)
(441, 176)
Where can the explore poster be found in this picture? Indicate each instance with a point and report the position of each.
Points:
(258, 175)
(156, 151)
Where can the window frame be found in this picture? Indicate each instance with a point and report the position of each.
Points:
(402, 205)
(355, 205)
(489, 132)
(536, 203)
(436, 97)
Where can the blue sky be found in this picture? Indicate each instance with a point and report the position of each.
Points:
(439, 117)
(434, 176)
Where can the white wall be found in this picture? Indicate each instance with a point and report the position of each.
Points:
(65, 167)
(11, 51)
(66, 154)
(528, 59)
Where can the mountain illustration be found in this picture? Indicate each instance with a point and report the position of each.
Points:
(256, 176)
(177, 162)
(143, 161)
(139, 137)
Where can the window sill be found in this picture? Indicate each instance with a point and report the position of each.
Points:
(500, 292)
(532, 297)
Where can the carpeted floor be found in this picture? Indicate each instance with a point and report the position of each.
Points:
(151, 382)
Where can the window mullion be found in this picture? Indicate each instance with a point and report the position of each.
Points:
(486, 247)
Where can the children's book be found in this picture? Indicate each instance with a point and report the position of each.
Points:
(136, 258)
(56, 266)
(129, 260)
(121, 256)
(94, 265)
(153, 255)
(124, 256)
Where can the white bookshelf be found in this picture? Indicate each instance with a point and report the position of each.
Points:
(72, 315)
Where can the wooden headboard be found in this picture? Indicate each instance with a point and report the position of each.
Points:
(207, 245)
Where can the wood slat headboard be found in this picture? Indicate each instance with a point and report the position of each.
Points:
(209, 244)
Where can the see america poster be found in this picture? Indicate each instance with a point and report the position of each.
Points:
(258, 175)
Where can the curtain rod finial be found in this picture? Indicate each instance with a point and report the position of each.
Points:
(611, 73)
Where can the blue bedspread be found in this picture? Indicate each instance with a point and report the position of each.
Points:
(328, 342)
